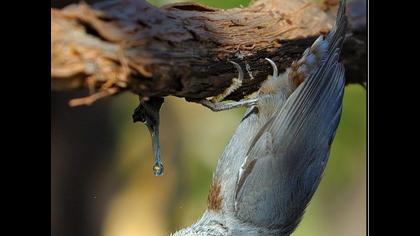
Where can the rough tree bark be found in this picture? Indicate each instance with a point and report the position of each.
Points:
(183, 49)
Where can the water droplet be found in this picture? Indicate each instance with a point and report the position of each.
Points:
(158, 169)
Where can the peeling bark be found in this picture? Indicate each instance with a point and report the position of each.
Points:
(183, 49)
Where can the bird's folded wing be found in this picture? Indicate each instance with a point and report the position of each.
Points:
(285, 161)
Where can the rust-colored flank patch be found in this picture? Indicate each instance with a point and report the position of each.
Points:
(295, 76)
(214, 200)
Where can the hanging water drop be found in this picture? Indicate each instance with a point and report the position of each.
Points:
(148, 113)
(158, 169)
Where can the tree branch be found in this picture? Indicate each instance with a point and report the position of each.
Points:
(183, 49)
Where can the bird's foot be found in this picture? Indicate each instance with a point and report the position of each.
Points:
(236, 83)
(216, 104)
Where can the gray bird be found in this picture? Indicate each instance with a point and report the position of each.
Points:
(273, 164)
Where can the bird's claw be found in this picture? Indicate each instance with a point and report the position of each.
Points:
(216, 104)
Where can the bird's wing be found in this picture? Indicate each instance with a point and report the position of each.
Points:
(286, 160)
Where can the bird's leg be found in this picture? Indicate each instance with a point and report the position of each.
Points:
(215, 103)
(236, 83)
(219, 106)
(148, 113)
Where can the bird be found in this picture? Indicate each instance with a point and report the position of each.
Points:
(273, 164)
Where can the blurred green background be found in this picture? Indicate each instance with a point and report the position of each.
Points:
(101, 173)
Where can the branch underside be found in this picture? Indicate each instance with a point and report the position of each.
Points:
(183, 49)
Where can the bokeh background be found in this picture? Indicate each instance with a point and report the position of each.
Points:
(101, 166)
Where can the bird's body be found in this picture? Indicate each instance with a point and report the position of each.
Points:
(272, 165)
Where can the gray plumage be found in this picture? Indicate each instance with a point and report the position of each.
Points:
(273, 164)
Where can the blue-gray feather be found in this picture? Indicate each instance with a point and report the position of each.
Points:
(281, 175)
